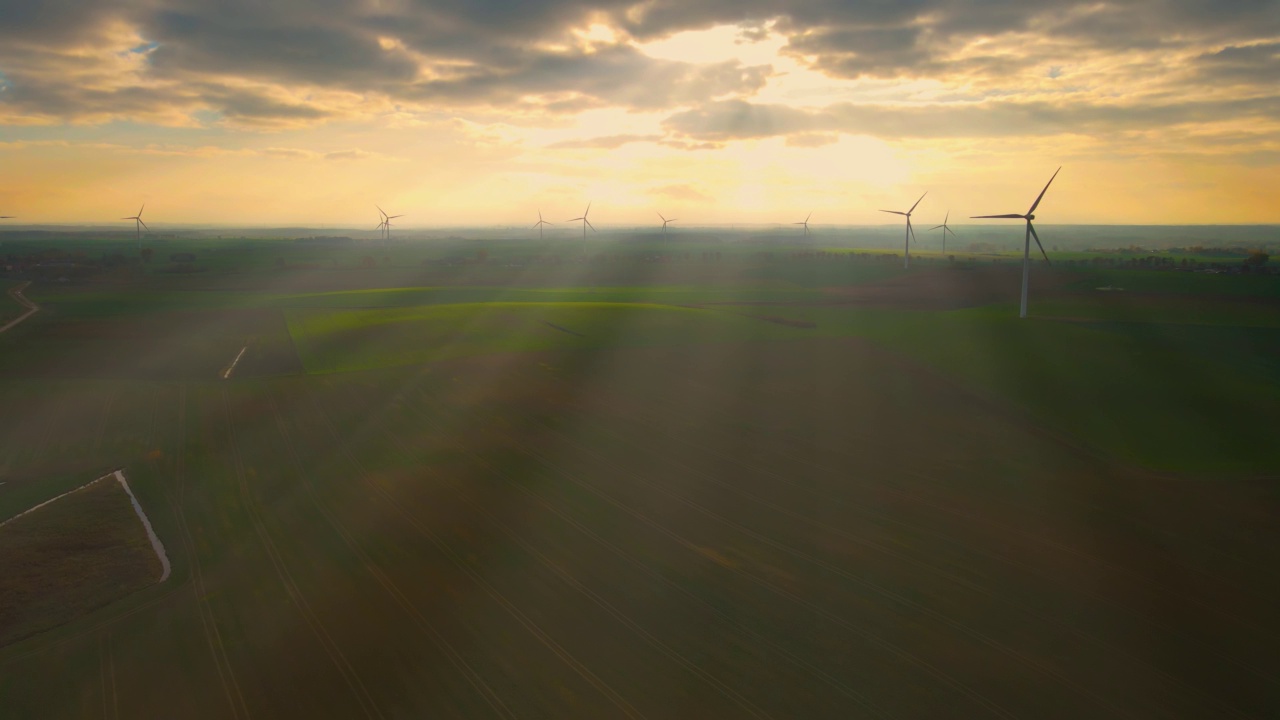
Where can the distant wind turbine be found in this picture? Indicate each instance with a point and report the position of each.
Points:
(138, 224)
(585, 222)
(906, 246)
(1026, 245)
(945, 230)
(540, 223)
(805, 223)
(664, 223)
(386, 222)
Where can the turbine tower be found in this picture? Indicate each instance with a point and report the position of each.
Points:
(540, 223)
(805, 223)
(945, 230)
(906, 243)
(138, 224)
(585, 224)
(664, 223)
(1026, 244)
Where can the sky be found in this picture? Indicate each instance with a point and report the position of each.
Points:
(485, 112)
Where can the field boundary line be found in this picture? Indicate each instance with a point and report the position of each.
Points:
(32, 308)
(57, 497)
(146, 523)
(226, 374)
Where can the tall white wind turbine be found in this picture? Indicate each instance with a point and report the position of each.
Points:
(805, 223)
(1026, 245)
(585, 223)
(664, 223)
(386, 222)
(906, 245)
(945, 230)
(540, 223)
(138, 224)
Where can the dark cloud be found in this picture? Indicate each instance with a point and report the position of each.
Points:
(523, 54)
(740, 120)
(1250, 64)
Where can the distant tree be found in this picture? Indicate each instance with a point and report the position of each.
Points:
(368, 261)
(145, 254)
(1256, 259)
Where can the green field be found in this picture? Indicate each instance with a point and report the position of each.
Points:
(787, 487)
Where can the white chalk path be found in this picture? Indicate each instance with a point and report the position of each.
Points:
(16, 294)
(137, 508)
(227, 375)
(151, 534)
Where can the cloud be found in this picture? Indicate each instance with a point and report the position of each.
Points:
(607, 142)
(740, 120)
(681, 191)
(812, 140)
(293, 63)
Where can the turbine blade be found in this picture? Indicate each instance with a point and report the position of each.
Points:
(672, 220)
(948, 217)
(1010, 215)
(946, 229)
(144, 225)
(913, 207)
(935, 227)
(1036, 204)
(381, 212)
(895, 212)
(588, 222)
(1032, 228)
(806, 217)
(144, 207)
(588, 210)
(663, 219)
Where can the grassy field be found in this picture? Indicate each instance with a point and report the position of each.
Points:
(796, 488)
(70, 557)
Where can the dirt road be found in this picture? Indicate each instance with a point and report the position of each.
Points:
(16, 294)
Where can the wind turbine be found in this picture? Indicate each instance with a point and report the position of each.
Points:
(906, 243)
(585, 222)
(540, 223)
(386, 222)
(1026, 245)
(138, 224)
(664, 223)
(945, 230)
(805, 223)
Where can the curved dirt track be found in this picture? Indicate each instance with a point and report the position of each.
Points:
(32, 308)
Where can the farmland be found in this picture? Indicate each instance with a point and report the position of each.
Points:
(819, 487)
